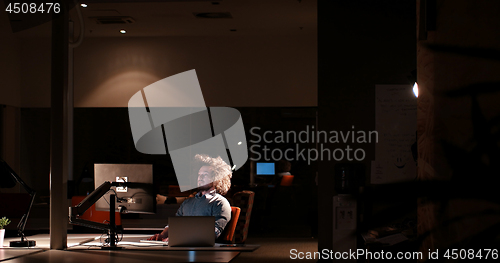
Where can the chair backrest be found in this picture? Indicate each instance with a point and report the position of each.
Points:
(287, 180)
(94, 215)
(228, 233)
(243, 200)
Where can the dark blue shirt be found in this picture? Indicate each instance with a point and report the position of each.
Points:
(210, 204)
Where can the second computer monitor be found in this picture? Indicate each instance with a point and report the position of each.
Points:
(139, 197)
(265, 169)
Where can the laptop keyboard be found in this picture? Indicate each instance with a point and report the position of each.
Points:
(165, 243)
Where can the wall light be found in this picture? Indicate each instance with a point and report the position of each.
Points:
(123, 31)
(415, 89)
(83, 5)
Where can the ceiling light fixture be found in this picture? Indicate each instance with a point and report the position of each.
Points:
(123, 31)
(83, 5)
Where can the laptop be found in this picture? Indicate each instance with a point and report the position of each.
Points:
(191, 231)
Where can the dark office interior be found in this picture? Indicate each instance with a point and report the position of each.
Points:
(286, 66)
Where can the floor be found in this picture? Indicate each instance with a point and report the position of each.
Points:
(277, 249)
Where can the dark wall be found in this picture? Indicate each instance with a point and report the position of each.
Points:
(362, 44)
(35, 150)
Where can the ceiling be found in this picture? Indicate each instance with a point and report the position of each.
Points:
(177, 18)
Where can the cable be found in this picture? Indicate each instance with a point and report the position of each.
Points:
(121, 238)
(105, 240)
(92, 246)
(104, 197)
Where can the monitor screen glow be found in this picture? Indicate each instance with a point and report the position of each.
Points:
(265, 169)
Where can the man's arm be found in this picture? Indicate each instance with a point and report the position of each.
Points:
(163, 236)
(179, 211)
(160, 199)
(222, 214)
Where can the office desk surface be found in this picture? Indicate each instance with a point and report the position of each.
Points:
(43, 240)
(10, 253)
(124, 256)
(132, 242)
(85, 248)
(129, 241)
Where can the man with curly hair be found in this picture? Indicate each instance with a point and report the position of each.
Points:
(214, 180)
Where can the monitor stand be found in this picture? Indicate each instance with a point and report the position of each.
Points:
(112, 226)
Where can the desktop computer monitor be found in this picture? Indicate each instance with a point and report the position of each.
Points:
(136, 197)
(265, 169)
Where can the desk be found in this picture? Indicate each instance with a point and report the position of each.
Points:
(43, 240)
(131, 242)
(85, 248)
(123, 256)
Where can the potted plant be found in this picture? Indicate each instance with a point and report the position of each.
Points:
(3, 222)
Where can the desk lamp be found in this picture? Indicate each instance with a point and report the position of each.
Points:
(8, 180)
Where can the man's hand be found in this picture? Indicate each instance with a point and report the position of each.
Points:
(158, 237)
(160, 199)
(163, 236)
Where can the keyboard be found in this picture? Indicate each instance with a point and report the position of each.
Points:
(157, 242)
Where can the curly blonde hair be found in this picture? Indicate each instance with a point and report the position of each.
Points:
(222, 172)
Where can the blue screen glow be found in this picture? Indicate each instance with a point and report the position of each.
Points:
(265, 169)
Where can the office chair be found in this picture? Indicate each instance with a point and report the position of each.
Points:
(287, 180)
(243, 200)
(228, 233)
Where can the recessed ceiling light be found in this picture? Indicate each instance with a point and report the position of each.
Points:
(83, 5)
(123, 31)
